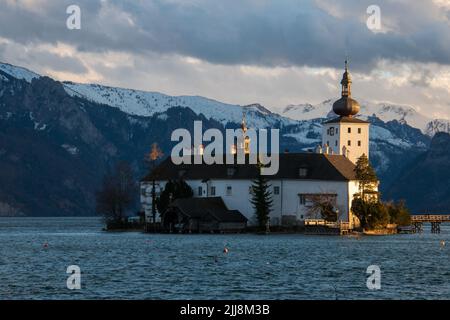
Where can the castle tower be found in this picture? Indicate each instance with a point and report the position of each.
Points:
(346, 135)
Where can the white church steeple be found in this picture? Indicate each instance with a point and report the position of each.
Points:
(346, 135)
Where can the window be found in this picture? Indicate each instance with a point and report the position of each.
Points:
(328, 131)
(337, 130)
(359, 143)
(302, 198)
(213, 191)
(229, 190)
(276, 190)
(302, 172)
(231, 171)
(181, 173)
(335, 143)
(331, 131)
(349, 130)
(349, 143)
(200, 191)
(359, 130)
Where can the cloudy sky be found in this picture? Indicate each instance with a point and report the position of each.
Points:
(275, 52)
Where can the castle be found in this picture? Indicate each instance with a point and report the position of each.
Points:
(223, 192)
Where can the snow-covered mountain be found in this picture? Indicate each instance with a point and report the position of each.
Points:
(18, 72)
(437, 125)
(384, 111)
(300, 125)
(146, 104)
(75, 131)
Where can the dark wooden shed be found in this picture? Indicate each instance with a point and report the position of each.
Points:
(202, 215)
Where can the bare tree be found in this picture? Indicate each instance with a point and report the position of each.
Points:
(117, 194)
(323, 206)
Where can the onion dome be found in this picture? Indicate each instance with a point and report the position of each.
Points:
(346, 106)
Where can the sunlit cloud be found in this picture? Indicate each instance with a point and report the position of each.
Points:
(270, 52)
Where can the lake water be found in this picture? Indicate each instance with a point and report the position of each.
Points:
(148, 266)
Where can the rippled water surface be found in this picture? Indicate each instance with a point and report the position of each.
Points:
(147, 266)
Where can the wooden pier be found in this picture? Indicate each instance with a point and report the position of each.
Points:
(434, 219)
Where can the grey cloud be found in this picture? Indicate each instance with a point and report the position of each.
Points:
(55, 62)
(268, 33)
(42, 59)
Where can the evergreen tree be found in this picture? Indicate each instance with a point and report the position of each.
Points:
(399, 213)
(261, 200)
(366, 176)
(371, 214)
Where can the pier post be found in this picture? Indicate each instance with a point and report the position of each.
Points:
(418, 227)
(435, 227)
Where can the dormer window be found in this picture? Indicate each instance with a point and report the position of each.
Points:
(231, 172)
(302, 172)
(181, 173)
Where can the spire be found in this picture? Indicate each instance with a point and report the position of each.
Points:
(346, 106)
(246, 139)
(243, 124)
(346, 82)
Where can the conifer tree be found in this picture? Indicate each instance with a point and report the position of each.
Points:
(366, 176)
(261, 200)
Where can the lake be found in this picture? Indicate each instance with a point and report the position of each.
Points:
(150, 266)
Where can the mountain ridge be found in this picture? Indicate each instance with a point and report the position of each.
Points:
(79, 139)
(431, 172)
(147, 103)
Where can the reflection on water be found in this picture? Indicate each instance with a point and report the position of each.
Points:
(143, 266)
